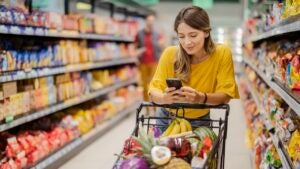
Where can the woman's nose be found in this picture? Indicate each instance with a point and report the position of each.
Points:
(187, 41)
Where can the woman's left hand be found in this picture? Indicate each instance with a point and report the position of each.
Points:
(191, 95)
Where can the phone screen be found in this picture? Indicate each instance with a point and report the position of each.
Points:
(174, 82)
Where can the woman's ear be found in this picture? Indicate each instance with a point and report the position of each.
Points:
(206, 34)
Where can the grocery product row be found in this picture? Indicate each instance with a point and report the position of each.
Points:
(19, 20)
(21, 98)
(267, 112)
(279, 59)
(21, 54)
(263, 151)
(277, 62)
(20, 147)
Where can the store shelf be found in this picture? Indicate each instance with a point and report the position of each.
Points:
(43, 32)
(286, 163)
(69, 151)
(34, 73)
(281, 92)
(284, 160)
(65, 104)
(279, 30)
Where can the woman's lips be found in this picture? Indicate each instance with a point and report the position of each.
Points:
(190, 48)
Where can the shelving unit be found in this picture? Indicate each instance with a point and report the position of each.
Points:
(281, 29)
(61, 156)
(16, 30)
(65, 104)
(294, 104)
(20, 75)
(44, 33)
(286, 163)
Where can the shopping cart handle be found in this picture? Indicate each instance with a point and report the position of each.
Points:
(185, 105)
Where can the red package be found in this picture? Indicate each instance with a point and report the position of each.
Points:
(46, 147)
(71, 22)
(70, 134)
(13, 147)
(11, 164)
(54, 139)
(33, 157)
(23, 162)
(24, 144)
(63, 138)
(54, 21)
(31, 141)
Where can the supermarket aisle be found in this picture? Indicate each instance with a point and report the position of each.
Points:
(100, 153)
(237, 155)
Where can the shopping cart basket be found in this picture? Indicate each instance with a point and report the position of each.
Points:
(219, 126)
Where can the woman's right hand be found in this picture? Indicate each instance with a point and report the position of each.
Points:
(171, 95)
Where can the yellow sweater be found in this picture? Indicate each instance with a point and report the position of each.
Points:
(213, 75)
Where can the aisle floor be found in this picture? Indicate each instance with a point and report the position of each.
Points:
(100, 154)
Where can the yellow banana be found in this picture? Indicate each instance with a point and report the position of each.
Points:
(188, 125)
(182, 126)
(176, 129)
(169, 129)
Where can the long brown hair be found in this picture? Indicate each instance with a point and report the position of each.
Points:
(196, 18)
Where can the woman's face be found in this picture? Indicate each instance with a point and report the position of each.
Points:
(192, 40)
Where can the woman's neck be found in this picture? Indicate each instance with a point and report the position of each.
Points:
(199, 57)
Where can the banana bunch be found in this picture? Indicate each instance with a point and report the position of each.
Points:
(177, 126)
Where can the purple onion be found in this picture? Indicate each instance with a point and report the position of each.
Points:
(134, 163)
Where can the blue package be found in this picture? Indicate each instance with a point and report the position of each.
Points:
(40, 58)
(33, 59)
(5, 15)
(26, 63)
(19, 60)
(4, 61)
(50, 56)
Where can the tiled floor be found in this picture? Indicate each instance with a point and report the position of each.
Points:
(100, 154)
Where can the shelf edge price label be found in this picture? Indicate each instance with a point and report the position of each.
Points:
(4, 29)
(15, 30)
(9, 119)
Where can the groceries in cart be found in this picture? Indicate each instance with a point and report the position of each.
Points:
(178, 144)
(177, 147)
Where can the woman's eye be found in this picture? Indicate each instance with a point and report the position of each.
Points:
(193, 35)
(180, 37)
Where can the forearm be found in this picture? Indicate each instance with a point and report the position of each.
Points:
(217, 98)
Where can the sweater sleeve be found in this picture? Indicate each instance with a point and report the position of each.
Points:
(225, 77)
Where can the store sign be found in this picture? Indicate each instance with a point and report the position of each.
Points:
(40, 3)
(206, 4)
(146, 2)
(83, 6)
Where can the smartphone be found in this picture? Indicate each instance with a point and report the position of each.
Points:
(174, 82)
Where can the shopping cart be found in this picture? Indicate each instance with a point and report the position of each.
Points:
(219, 126)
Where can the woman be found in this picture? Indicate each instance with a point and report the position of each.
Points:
(205, 69)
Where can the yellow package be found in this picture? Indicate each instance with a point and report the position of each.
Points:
(294, 146)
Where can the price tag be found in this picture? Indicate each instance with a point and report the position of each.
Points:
(9, 119)
(15, 30)
(2, 78)
(4, 29)
(39, 31)
(28, 31)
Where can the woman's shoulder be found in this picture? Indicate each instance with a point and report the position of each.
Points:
(221, 48)
(169, 53)
(171, 49)
(222, 52)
